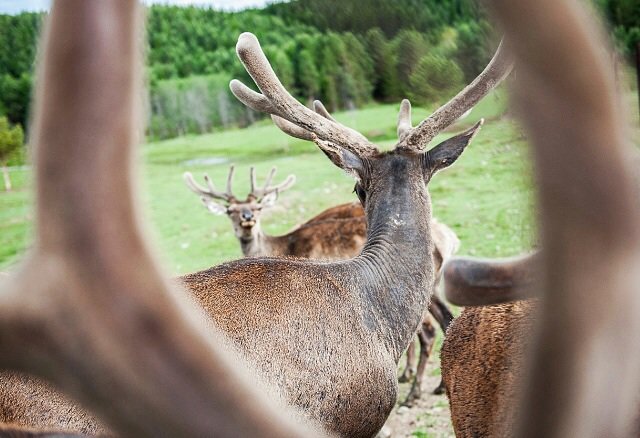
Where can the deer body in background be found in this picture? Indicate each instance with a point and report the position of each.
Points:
(337, 233)
(484, 354)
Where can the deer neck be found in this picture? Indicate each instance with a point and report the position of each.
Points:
(258, 244)
(396, 265)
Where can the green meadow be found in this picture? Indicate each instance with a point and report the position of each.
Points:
(485, 196)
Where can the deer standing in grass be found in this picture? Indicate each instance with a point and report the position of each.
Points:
(117, 337)
(324, 336)
(337, 233)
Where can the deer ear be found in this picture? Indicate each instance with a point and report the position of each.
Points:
(214, 207)
(344, 159)
(269, 200)
(447, 152)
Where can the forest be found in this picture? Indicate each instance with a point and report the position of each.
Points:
(370, 50)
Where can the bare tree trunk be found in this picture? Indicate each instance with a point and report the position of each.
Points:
(5, 175)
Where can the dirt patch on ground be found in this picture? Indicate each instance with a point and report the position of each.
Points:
(429, 417)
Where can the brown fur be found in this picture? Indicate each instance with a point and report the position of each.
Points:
(339, 233)
(25, 400)
(13, 431)
(330, 385)
(331, 235)
(482, 358)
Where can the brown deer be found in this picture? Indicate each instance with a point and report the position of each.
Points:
(324, 336)
(374, 305)
(337, 233)
(583, 327)
(126, 344)
(484, 354)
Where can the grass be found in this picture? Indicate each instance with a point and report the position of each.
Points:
(485, 196)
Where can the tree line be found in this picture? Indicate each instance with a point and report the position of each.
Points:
(371, 50)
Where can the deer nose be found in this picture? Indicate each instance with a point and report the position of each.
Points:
(246, 215)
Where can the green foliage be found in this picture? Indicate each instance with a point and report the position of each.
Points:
(343, 52)
(194, 105)
(473, 51)
(624, 18)
(384, 79)
(11, 140)
(15, 94)
(409, 46)
(435, 78)
(361, 15)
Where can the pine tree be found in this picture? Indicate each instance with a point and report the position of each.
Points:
(435, 78)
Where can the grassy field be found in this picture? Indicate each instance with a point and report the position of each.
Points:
(485, 197)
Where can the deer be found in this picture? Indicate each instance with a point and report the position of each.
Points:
(484, 353)
(156, 369)
(579, 374)
(330, 335)
(368, 293)
(320, 238)
(337, 233)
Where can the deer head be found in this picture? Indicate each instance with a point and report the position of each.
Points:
(244, 214)
(380, 177)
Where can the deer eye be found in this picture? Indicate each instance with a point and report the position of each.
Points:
(362, 195)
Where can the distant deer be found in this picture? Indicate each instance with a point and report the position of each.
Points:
(115, 336)
(337, 233)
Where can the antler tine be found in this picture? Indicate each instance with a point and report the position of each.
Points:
(196, 188)
(289, 128)
(232, 169)
(276, 100)
(268, 188)
(404, 119)
(497, 69)
(267, 182)
(319, 108)
(252, 180)
(284, 185)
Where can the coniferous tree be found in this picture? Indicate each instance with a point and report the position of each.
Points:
(435, 78)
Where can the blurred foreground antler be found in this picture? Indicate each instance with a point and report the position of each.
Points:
(584, 378)
(89, 309)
